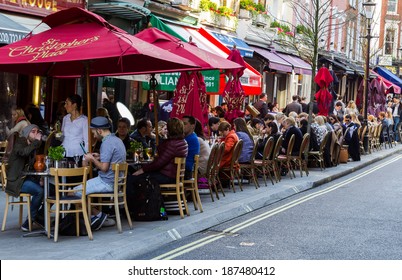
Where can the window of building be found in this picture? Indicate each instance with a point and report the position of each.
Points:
(389, 41)
(392, 5)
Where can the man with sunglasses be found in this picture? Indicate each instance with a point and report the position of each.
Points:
(21, 158)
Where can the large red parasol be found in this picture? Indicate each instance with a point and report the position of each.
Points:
(190, 93)
(323, 96)
(188, 96)
(233, 93)
(81, 43)
(79, 38)
(206, 60)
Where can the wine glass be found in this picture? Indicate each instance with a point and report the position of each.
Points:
(76, 159)
(148, 151)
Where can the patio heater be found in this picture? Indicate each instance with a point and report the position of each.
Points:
(368, 6)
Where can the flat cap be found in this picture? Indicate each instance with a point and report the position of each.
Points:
(100, 122)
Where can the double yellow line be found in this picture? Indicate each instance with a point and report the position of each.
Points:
(211, 238)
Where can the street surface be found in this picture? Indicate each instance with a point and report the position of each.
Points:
(357, 217)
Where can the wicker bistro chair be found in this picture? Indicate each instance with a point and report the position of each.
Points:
(233, 170)
(266, 165)
(177, 189)
(116, 198)
(192, 186)
(319, 155)
(300, 160)
(377, 134)
(23, 200)
(362, 132)
(249, 168)
(286, 160)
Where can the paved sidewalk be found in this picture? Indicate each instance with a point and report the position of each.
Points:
(145, 236)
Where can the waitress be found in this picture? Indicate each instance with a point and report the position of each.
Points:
(74, 129)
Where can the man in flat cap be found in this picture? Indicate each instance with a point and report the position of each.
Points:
(112, 150)
(23, 156)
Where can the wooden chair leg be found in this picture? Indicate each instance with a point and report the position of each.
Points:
(197, 194)
(194, 198)
(87, 224)
(29, 214)
(179, 203)
(185, 203)
(130, 223)
(56, 223)
(117, 212)
(3, 226)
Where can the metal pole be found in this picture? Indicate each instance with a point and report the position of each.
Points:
(366, 89)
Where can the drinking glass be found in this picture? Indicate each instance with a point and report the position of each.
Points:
(76, 159)
(148, 151)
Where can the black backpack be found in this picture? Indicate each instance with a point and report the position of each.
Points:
(147, 203)
(67, 225)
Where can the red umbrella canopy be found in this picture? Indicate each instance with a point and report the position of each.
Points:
(233, 93)
(79, 36)
(323, 96)
(187, 99)
(204, 59)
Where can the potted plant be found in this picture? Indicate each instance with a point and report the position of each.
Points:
(245, 9)
(56, 154)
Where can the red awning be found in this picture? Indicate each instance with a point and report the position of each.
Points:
(251, 79)
(389, 85)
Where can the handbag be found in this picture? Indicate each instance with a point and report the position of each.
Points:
(344, 154)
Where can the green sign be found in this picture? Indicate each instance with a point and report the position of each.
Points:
(168, 81)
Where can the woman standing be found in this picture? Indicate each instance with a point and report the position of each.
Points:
(19, 120)
(351, 108)
(74, 128)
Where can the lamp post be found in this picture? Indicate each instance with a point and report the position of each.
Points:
(369, 6)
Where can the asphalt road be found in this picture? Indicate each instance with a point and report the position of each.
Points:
(358, 217)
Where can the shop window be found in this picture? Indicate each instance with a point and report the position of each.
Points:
(389, 41)
(392, 6)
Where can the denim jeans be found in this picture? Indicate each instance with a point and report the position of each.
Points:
(396, 121)
(36, 191)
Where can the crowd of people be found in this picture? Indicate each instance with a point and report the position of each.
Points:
(185, 137)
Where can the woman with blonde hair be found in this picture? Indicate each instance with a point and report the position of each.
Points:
(351, 108)
(162, 130)
(19, 121)
(355, 119)
(389, 116)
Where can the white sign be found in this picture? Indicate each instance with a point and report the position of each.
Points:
(385, 60)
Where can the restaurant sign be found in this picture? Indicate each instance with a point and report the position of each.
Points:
(168, 81)
(9, 36)
(39, 7)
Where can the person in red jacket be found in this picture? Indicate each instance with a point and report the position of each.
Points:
(230, 138)
(163, 169)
